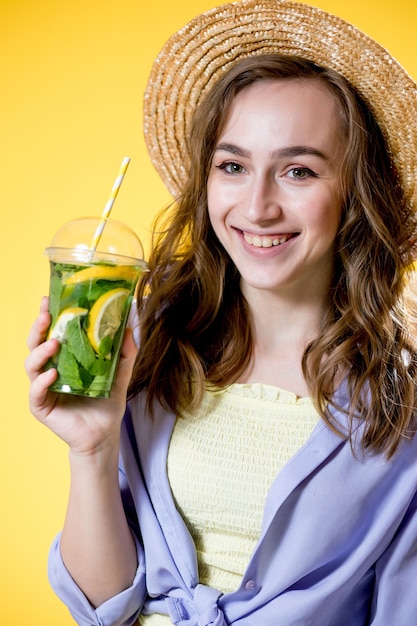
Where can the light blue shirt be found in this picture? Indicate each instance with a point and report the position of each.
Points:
(338, 545)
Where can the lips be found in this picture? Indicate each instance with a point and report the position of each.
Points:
(266, 241)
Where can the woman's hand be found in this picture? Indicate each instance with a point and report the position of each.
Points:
(86, 424)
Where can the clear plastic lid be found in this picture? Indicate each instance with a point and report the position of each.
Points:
(118, 243)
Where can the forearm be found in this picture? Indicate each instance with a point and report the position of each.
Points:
(97, 545)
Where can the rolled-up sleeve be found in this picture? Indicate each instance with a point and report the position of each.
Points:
(120, 610)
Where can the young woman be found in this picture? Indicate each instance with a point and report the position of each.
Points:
(265, 468)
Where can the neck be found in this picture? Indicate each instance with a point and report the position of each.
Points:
(281, 330)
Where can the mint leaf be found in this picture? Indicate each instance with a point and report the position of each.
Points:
(79, 345)
(55, 290)
(105, 346)
(84, 303)
(86, 377)
(100, 367)
(68, 367)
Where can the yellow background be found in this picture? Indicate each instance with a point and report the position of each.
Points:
(72, 78)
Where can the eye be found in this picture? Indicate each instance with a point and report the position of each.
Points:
(230, 167)
(299, 173)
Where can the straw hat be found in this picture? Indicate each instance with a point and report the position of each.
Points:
(196, 56)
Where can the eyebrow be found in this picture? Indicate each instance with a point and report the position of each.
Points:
(289, 152)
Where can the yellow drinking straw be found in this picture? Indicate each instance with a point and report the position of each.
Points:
(109, 204)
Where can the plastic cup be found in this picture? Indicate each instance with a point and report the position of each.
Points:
(90, 296)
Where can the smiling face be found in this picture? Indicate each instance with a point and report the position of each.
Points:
(274, 192)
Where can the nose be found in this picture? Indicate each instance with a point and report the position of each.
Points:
(263, 201)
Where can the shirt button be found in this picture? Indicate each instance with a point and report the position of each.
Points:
(250, 585)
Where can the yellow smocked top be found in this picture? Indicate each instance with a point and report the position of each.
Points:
(221, 463)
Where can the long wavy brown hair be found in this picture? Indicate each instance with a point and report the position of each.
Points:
(194, 321)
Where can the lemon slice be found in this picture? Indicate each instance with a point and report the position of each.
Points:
(106, 272)
(105, 317)
(59, 330)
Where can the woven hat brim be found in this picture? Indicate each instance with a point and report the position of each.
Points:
(196, 56)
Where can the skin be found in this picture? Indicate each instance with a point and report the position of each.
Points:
(275, 177)
(266, 193)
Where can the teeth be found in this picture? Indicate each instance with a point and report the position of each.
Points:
(265, 242)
